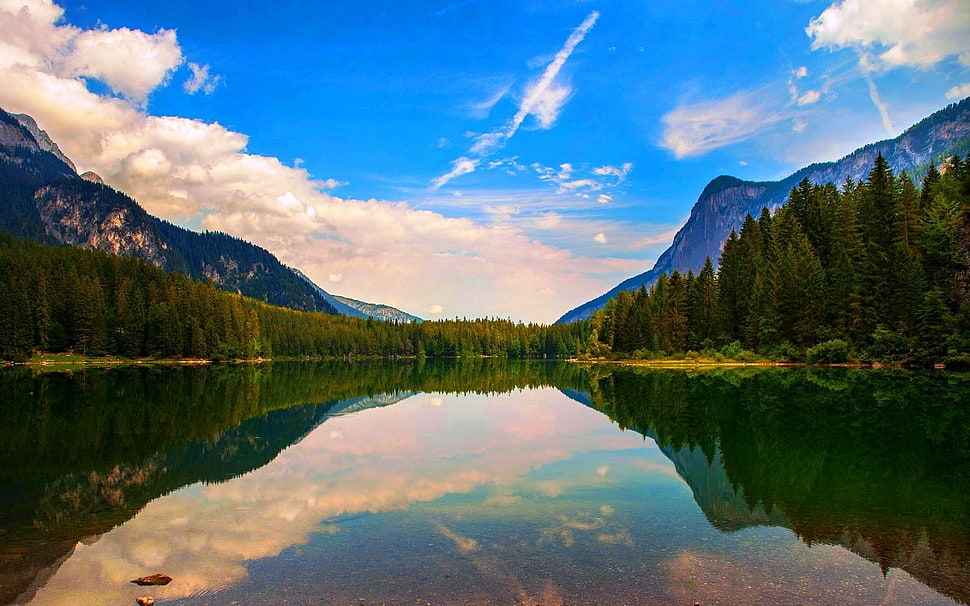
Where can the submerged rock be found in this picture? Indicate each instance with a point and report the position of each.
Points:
(153, 579)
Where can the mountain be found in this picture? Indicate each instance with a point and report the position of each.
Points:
(726, 200)
(378, 311)
(43, 198)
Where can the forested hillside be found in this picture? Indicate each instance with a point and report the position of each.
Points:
(60, 299)
(876, 270)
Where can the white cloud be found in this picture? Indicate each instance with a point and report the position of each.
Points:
(435, 310)
(600, 237)
(131, 62)
(189, 170)
(335, 278)
(604, 198)
(461, 166)
(201, 80)
(587, 184)
(801, 72)
(697, 128)
(620, 172)
(959, 92)
(865, 66)
(810, 97)
(481, 109)
(543, 99)
(913, 33)
(581, 179)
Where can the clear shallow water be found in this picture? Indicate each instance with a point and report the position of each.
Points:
(528, 496)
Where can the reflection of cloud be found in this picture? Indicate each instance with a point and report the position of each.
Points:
(385, 459)
(752, 578)
(464, 544)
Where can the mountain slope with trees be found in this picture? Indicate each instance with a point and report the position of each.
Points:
(58, 299)
(43, 198)
(875, 270)
(725, 202)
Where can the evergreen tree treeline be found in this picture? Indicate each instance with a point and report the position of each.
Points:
(873, 270)
(56, 299)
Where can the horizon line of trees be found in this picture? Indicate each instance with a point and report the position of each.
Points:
(64, 299)
(875, 270)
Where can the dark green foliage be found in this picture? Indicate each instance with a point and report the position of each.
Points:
(66, 299)
(835, 351)
(879, 267)
(878, 456)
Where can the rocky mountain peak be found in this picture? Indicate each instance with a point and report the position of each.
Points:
(726, 200)
(93, 177)
(42, 140)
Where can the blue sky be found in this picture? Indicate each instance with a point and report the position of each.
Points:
(470, 158)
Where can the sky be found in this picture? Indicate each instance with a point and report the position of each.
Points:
(469, 158)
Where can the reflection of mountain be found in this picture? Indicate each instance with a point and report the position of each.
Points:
(878, 462)
(44, 520)
(82, 452)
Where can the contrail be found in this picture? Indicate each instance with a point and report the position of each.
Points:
(489, 142)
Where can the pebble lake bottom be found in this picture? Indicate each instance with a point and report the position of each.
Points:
(485, 495)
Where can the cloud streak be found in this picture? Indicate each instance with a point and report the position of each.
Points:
(694, 129)
(543, 100)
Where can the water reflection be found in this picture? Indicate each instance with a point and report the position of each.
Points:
(876, 461)
(304, 484)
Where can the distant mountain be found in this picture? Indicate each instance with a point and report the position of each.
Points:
(42, 197)
(359, 309)
(726, 200)
(378, 311)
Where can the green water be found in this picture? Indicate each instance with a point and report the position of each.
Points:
(484, 482)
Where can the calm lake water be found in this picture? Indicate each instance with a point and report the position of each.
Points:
(484, 482)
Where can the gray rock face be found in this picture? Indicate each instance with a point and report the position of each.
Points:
(725, 202)
(42, 139)
(99, 221)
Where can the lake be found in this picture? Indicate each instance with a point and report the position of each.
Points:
(484, 482)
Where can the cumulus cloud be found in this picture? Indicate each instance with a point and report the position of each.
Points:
(600, 237)
(131, 62)
(697, 128)
(188, 170)
(201, 80)
(543, 100)
(913, 33)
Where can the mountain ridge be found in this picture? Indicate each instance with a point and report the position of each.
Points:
(43, 198)
(726, 200)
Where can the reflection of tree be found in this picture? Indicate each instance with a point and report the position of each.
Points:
(878, 461)
(83, 452)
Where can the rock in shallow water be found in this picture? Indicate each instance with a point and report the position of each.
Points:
(153, 579)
